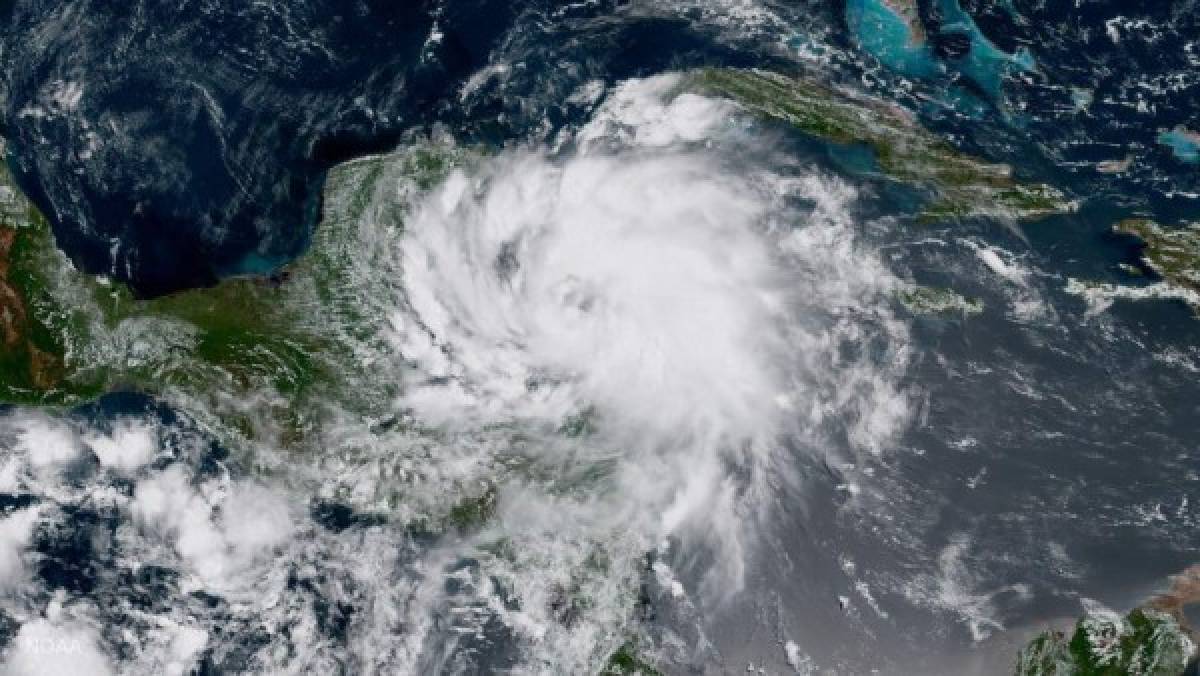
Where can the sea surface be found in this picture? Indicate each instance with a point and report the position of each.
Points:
(785, 470)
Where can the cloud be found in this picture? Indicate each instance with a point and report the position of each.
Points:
(47, 444)
(131, 445)
(44, 648)
(16, 532)
(217, 533)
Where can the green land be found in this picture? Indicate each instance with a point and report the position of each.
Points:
(1154, 639)
(69, 337)
(961, 185)
(1146, 642)
(1171, 253)
(935, 301)
(265, 355)
(287, 343)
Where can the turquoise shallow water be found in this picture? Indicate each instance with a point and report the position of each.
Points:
(1185, 145)
(1047, 450)
(887, 36)
(903, 45)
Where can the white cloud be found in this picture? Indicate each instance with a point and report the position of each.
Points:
(131, 445)
(185, 647)
(16, 532)
(255, 519)
(42, 648)
(171, 649)
(47, 444)
(252, 521)
(10, 469)
(167, 505)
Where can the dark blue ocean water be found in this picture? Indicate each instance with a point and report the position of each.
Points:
(199, 143)
(201, 130)
(1054, 458)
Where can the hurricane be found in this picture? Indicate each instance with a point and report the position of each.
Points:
(703, 336)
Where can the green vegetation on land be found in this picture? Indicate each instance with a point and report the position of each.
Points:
(627, 662)
(924, 300)
(904, 150)
(66, 337)
(1171, 253)
(31, 338)
(1147, 642)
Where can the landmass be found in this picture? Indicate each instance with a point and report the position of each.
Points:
(1154, 639)
(31, 361)
(1170, 255)
(261, 362)
(961, 185)
(892, 32)
(69, 337)
(908, 11)
(627, 662)
(925, 300)
(1115, 166)
(300, 336)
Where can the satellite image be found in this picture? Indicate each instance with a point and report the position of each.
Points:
(820, 337)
